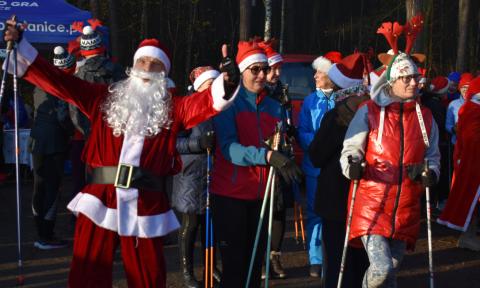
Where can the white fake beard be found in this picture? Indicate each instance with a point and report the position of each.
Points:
(136, 107)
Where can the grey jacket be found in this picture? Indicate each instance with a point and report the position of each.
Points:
(52, 126)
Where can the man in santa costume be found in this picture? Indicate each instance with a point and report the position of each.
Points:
(131, 149)
(460, 212)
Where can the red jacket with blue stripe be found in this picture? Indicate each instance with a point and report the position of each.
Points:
(240, 169)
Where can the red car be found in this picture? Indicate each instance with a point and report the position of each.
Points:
(298, 73)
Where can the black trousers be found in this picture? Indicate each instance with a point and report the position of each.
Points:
(278, 229)
(333, 233)
(48, 172)
(235, 223)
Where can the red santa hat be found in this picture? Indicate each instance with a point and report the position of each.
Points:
(155, 49)
(439, 85)
(333, 56)
(201, 74)
(273, 56)
(473, 88)
(349, 71)
(248, 53)
(465, 79)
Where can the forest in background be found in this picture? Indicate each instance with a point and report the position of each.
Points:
(195, 29)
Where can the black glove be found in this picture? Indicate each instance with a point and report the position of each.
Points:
(420, 173)
(291, 131)
(428, 178)
(288, 168)
(229, 66)
(207, 140)
(357, 167)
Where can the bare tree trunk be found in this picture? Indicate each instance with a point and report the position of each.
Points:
(144, 20)
(463, 7)
(188, 49)
(415, 7)
(95, 9)
(282, 26)
(245, 12)
(114, 29)
(268, 20)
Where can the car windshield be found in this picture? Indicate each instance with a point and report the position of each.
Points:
(299, 77)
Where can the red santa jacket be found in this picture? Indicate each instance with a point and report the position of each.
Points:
(465, 191)
(387, 201)
(140, 213)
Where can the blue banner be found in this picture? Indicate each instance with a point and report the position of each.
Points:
(48, 21)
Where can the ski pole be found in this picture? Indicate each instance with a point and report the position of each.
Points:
(347, 233)
(269, 238)
(295, 221)
(429, 231)
(271, 176)
(302, 228)
(208, 229)
(11, 49)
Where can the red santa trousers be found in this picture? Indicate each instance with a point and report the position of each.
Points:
(94, 250)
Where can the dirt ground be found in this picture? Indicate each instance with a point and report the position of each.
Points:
(454, 267)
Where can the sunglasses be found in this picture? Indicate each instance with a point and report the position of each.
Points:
(407, 79)
(256, 69)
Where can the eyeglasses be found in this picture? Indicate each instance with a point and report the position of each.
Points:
(407, 79)
(256, 69)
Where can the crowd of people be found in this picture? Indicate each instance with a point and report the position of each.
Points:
(391, 130)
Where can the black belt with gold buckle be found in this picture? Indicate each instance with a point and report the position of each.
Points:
(127, 176)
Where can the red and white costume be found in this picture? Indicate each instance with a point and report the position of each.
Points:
(108, 215)
(465, 193)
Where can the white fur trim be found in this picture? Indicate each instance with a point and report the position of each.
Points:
(277, 58)
(146, 226)
(26, 54)
(254, 58)
(209, 74)
(322, 64)
(125, 219)
(444, 90)
(341, 80)
(469, 215)
(218, 91)
(154, 52)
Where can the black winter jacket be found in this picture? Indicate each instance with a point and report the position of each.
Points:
(324, 151)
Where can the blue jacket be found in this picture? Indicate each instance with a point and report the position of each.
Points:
(313, 109)
(240, 169)
(452, 117)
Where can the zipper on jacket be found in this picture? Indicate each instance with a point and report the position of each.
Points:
(400, 172)
(261, 140)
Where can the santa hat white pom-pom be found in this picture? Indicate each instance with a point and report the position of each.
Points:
(87, 30)
(58, 50)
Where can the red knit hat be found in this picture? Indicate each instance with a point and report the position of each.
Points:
(333, 56)
(439, 85)
(465, 79)
(273, 56)
(153, 48)
(201, 74)
(349, 71)
(248, 53)
(473, 88)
